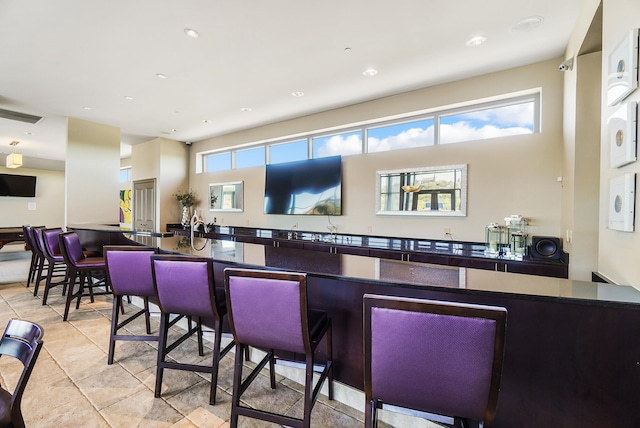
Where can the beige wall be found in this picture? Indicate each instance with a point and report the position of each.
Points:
(173, 178)
(91, 173)
(145, 160)
(581, 164)
(49, 201)
(583, 235)
(166, 161)
(618, 251)
(509, 175)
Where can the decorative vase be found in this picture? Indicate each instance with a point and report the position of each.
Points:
(185, 217)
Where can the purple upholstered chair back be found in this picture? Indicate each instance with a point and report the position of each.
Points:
(268, 310)
(129, 269)
(27, 231)
(72, 248)
(184, 285)
(51, 244)
(432, 356)
(38, 240)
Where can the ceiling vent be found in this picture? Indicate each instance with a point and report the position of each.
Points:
(20, 117)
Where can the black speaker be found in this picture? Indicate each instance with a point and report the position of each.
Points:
(545, 247)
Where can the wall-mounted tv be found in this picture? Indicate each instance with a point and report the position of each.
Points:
(18, 185)
(312, 187)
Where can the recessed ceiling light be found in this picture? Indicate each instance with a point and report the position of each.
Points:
(191, 33)
(476, 41)
(245, 109)
(86, 108)
(527, 24)
(206, 121)
(174, 130)
(161, 76)
(370, 72)
(347, 50)
(297, 94)
(127, 97)
(28, 133)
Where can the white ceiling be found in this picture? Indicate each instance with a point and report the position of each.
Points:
(59, 57)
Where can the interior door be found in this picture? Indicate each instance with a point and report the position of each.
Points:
(144, 205)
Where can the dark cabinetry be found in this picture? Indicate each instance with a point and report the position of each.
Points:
(358, 251)
(387, 254)
(529, 267)
(457, 254)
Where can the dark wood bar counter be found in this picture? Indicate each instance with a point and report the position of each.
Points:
(96, 236)
(572, 354)
(447, 253)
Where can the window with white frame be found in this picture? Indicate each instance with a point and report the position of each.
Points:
(402, 135)
(289, 151)
(348, 143)
(217, 162)
(491, 121)
(247, 158)
(125, 174)
(516, 115)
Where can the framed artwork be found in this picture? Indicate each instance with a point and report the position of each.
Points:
(622, 134)
(622, 77)
(622, 190)
(125, 206)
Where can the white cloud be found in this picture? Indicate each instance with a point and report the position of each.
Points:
(414, 137)
(478, 125)
(463, 131)
(338, 145)
(513, 115)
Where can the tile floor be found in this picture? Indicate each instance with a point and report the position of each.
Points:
(72, 385)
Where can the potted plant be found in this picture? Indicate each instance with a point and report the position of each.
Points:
(187, 199)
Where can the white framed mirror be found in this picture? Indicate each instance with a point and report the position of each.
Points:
(226, 196)
(429, 191)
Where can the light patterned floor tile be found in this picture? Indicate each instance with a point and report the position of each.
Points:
(72, 385)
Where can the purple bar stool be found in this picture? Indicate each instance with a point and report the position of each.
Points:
(129, 274)
(36, 258)
(49, 244)
(185, 287)
(442, 360)
(268, 310)
(43, 266)
(83, 270)
(21, 340)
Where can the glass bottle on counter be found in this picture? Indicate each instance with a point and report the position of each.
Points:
(494, 239)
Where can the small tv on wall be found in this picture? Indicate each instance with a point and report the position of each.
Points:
(18, 185)
(308, 187)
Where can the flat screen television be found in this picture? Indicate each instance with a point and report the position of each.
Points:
(309, 187)
(18, 185)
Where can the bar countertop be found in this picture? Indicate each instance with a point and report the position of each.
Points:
(348, 266)
(114, 228)
(572, 356)
(446, 253)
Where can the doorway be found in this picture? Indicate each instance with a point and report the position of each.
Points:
(144, 206)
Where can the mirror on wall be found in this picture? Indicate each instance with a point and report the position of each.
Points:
(428, 191)
(225, 196)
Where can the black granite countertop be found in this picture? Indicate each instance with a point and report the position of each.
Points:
(367, 268)
(453, 253)
(118, 228)
(378, 242)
